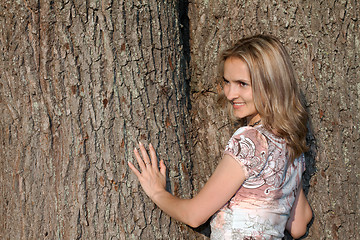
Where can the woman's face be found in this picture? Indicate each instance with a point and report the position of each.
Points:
(238, 90)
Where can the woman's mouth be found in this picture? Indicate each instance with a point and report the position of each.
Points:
(237, 105)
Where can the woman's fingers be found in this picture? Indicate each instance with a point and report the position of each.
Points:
(162, 168)
(153, 157)
(147, 165)
(139, 159)
(144, 161)
(151, 179)
(134, 169)
(144, 154)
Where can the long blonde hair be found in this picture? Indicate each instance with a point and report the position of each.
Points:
(275, 91)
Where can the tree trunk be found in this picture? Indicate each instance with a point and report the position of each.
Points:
(323, 39)
(81, 83)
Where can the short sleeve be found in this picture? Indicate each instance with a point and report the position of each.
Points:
(249, 148)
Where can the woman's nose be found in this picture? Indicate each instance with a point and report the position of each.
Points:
(231, 93)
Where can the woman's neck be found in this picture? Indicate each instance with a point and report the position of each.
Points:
(255, 120)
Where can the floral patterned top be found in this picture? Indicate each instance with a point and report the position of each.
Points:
(262, 205)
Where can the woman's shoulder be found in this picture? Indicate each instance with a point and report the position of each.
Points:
(256, 133)
(247, 130)
(249, 136)
(249, 147)
(260, 136)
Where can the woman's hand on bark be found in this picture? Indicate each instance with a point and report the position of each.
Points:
(151, 178)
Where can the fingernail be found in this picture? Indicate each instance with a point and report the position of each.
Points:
(140, 143)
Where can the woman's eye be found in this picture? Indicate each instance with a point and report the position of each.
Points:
(243, 84)
(225, 81)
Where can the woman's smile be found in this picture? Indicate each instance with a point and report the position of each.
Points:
(237, 105)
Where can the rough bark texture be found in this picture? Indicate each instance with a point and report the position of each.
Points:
(323, 39)
(81, 83)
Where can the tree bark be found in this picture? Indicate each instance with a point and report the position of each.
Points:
(81, 83)
(323, 39)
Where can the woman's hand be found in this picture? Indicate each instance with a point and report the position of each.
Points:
(152, 180)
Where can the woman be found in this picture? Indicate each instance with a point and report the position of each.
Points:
(255, 191)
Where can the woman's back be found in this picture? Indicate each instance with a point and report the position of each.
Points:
(262, 205)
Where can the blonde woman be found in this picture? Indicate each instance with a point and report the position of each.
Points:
(255, 191)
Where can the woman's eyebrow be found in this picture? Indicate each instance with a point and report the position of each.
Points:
(242, 80)
(238, 80)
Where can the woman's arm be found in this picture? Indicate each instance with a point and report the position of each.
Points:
(222, 185)
(300, 216)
